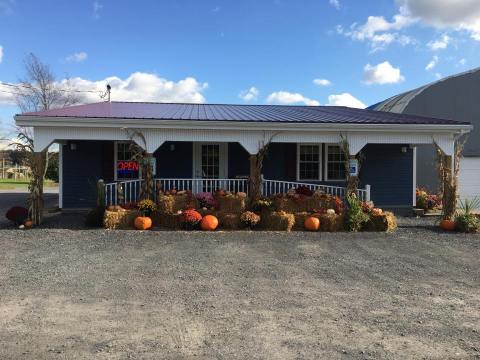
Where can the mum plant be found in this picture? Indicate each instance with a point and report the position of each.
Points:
(249, 219)
(190, 219)
(147, 207)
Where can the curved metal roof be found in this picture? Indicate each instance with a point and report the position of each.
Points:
(398, 103)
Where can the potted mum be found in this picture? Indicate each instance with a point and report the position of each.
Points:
(190, 219)
(249, 219)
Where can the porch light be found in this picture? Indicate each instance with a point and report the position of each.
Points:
(404, 149)
(172, 147)
(73, 146)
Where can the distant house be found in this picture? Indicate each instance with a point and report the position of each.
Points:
(457, 98)
(203, 147)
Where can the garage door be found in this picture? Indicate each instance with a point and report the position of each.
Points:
(469, 177)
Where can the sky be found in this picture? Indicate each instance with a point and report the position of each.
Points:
(313, 52)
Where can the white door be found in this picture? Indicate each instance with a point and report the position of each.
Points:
(469, 177)
(210, 161)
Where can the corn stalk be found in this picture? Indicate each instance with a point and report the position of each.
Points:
(37, 162)
(256, 166)
(351, 181)
(144, 160)
(448, 177)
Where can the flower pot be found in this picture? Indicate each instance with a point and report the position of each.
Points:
(448, 225)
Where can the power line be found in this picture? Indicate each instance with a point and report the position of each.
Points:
(18, 86)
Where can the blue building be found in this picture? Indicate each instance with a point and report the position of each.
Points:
(202, 147)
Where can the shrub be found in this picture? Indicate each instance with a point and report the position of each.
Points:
(249, 219)
(355, 217)
(190, 219)
(17, 215)
(147, 207)
(465, 220)
(95, 217)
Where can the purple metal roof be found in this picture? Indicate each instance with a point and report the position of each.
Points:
(248, 113)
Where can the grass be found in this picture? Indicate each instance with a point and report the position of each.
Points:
(12, 184)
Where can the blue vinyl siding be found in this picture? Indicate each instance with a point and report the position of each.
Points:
(389, 171)
(82, 168)
(175, 160)
(386, 168)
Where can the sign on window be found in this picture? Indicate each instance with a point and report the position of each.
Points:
(127, 169)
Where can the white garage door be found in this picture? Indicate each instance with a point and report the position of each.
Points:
(469, 177)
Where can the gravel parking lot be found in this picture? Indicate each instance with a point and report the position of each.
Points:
(81, 294)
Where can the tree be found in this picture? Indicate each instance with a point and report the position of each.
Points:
(38, 91)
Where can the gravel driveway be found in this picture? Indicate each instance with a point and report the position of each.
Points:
(99, 294)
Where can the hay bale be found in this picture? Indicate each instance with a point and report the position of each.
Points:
(169, 221)
(331, 222)
(300, 218)
(385, 222)
(278, 221)
(121, 219)
(171, 204)
(229, 221)
(231, 203)
(165, 204)
(290, 203)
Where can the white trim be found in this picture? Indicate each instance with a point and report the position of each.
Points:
(60, 175)
(249, 139)
(326, 164)
(320, 161)
(414, 203)
(223, 158)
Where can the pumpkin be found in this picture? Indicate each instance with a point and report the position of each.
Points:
(143, 223)
(173, 191)
(28, 224)
(377, 211)
(448, 225)
(312, 223)
(209, 223)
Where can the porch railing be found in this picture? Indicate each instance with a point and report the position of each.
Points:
(129, 191)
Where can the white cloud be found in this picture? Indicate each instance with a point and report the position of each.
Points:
(97, 8)
(322, 82)
(345, 99)
(383, 73)
(250, 94)
(1, 53)
(453, 14)
(335, 3)
(462, 62)
(380, 32)
(432, 63)
(77, 57)
(138, 86)
(141, 86)
(440, 44)
(287, 98)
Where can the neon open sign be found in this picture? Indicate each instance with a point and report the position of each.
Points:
(127, 168)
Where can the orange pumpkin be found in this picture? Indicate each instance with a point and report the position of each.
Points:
(312, 223)
(143, 223)
(377, 211)
(209, 223)
(448, 225)
(28, 224)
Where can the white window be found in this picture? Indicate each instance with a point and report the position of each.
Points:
(309, 164)
(335, 160)
(125, 167)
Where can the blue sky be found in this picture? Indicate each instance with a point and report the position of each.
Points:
(345, 52)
